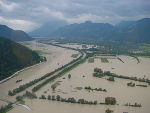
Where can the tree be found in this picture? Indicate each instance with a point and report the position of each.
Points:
(69, 76)
(53, 97)
(19, 98)
(49, 97)
(108, 111)
(58, 98)
(10, 93)
(43, 97)
(110, 101)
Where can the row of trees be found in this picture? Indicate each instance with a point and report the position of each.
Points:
(4, 109)
(133, 105)
(68, 100)
(131, 84)
(108, 111)
(66, 68)
(99, 73)
(30, 95)
(110, 101)
(96, 89)
(111, 79)
(25, 86)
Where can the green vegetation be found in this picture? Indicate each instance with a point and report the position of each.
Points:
(54, 86)
(96, 89)
(30, 95)
(68, 100)
(40, 52)
(141, 85)
(104, 60)
(18, 80)
(144, 56)
(66, 69)
(108, 111)
(111, 79)
(19, 98)
(15, 57)
(145, 47)
(99, 73)
(110, 101)
(131, 84)
(69, 76)
(5, 109)
(133, 105)
(90, 60)
(22, 102)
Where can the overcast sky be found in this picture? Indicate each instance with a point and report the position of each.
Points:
(30, 14)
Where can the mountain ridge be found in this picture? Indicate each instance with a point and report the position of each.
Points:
(128, 31)
(15, 35)
(14, 57)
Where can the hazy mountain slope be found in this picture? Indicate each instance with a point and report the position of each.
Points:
(84, 30)
(133, 31)
(16, 35)
(129, 31)
(46, 29)
(14, 56)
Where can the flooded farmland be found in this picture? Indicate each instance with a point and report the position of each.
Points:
(81, 77)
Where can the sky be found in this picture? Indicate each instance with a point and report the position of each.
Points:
(30, 14)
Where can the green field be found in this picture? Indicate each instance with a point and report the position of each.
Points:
(145, 47)
(144, 56)
(22, 102)
(90, 60)
(104, 60)
(40, 52)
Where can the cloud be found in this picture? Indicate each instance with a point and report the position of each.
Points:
(41, 11)
(18, 24)
(7, 6)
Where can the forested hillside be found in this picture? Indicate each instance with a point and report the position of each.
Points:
(14, 57)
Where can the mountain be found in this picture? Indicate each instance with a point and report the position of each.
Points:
(15, 35)
(46, 29)
(84, 30)
(133, 31)
(127, 31)
(14, 56)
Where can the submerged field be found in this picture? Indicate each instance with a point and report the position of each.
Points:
(68, 86)
(81, 77)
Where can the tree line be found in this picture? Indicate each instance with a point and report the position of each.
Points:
(99, 73)
(96, 89)
(27, 85)
(68, 100)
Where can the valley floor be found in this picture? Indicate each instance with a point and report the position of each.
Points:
(81, 77)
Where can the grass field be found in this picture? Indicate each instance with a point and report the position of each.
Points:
(90, 60)
(104, 60)
(40, 52)
(144, 56)
(145, 47)
(22, 102)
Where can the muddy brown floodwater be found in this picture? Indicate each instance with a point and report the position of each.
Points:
(81, 77)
